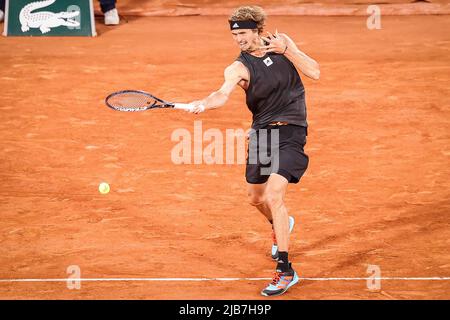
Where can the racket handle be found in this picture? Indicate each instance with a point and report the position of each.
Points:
(183, 106)
(186, 106)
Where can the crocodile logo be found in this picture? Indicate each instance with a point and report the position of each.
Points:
(45, 20)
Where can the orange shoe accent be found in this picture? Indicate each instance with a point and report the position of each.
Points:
(281, 283)
(276, 278)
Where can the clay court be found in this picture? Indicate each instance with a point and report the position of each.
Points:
(377, 191)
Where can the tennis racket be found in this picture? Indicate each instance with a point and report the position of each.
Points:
(135, 100)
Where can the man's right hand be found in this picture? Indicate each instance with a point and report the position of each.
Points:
(198, 106)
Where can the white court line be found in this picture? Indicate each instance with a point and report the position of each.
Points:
(221, 279)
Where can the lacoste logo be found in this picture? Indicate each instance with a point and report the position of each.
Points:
(268, 61)
(45, 20)
(235, 25)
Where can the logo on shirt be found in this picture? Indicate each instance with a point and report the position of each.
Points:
(235, 25)
(268, 61)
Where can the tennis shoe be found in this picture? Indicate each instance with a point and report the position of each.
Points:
(112, 17)
(281, 282)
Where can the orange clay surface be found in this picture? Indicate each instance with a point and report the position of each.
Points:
(377, 191)
(278, 7)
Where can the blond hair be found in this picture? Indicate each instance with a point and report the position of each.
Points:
(254, 13)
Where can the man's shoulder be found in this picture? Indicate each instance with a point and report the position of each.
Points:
(237, 67)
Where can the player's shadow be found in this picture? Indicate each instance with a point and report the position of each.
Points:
(423, 219)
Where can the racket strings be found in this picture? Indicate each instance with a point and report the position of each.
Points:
(131, 101)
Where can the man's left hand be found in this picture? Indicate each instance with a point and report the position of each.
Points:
(276, 43)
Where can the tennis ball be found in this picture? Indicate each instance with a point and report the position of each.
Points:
(103, 188)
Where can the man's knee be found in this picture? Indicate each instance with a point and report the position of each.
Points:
(273, 199)
(255, 199)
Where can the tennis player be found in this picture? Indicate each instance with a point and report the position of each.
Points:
(267, 70)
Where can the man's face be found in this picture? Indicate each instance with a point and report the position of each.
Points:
(247, 39)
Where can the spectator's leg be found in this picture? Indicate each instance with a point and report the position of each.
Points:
(109, 9)
(106, 5)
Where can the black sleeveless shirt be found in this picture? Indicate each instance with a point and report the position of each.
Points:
(275, 92)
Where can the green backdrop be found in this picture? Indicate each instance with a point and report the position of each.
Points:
(43, 18)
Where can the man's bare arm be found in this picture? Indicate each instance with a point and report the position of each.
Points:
(282, 44)
(233, 75)
(306, 64)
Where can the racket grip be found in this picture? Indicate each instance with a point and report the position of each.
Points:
(187, 106)
(183, 106)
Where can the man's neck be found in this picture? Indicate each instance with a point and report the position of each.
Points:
(256, 50)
